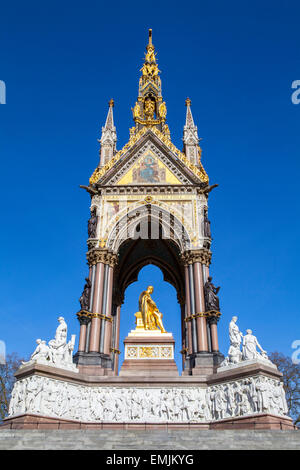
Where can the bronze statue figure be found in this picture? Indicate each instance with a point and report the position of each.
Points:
(92, 224)
(210, 294)
(85, 296)
(207, 232)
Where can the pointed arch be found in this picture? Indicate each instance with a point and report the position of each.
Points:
(155, 214)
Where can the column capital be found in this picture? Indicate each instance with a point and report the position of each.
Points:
(202, 256)
(213, 317)
(98, 255)
(84, 317)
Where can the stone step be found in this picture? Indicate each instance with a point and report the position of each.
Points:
(154, 440)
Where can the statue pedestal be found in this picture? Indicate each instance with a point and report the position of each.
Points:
(149, 353)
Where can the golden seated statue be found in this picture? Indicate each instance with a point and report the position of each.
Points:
(148, 317)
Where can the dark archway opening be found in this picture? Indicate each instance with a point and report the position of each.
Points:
(164, 295)
(133, 275)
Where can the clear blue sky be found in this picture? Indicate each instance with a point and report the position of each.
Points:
(62, 62)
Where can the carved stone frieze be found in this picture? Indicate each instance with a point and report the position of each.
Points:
(61, 399)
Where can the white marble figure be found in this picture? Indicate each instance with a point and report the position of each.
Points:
(234, 352)
(235, 335)
(58, 345)
(41, 354)
(249, 353)
(58, 352)
(250, 344)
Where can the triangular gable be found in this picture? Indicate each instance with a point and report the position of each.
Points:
(167, 157)
(148, 169)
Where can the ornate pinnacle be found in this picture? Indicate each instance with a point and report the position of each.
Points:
(188, 102)
(111, 103)
(150, 38)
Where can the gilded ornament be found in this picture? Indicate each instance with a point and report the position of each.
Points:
(136, 111)
(150, 74)
(132, 131)
(162, 110)
(167, 131)
(150, 54)
(146, 351)
(149, 108)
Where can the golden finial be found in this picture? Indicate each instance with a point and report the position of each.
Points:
(188, 102)
(150, 38)
(111, 103)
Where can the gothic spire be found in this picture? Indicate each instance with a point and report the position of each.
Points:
(109, 137)
(109, 124)
(190, 135)
(150, 109)
(189, 121)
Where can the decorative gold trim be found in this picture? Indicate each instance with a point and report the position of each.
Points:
(148, 122)
(116, 351)
(208, 314)
(213, 313)
(184, 351)
(101, 316)
(165, 139)
(149, 351)
(100, 171)
(84, 315)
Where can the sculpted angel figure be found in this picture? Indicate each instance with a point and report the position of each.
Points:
(152, 317)
(162, 110)
(136, 111)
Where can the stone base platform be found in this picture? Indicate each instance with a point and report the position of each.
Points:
(247, 397)
(258, 421)
(149, 368)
